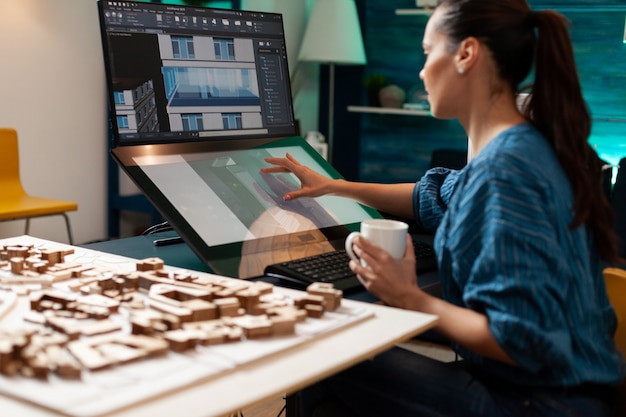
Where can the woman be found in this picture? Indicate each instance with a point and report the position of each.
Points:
(522, 235)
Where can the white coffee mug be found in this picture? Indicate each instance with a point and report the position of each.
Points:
(390, 235)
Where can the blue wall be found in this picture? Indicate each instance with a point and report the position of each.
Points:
(397, 148)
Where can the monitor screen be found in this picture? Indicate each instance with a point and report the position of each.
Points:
(180, 73)
(233, 216)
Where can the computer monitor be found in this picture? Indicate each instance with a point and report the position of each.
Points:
(199, 98)
(181, 73)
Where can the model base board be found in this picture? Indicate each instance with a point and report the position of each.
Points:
(85, 333)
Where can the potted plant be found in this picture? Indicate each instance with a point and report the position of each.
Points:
(373, 84)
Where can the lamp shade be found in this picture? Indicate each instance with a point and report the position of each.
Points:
(333, 34)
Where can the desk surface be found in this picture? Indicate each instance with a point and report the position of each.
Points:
(271, 377)
(275, 375)
(140, 247)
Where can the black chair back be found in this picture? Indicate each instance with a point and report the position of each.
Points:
(618, 201)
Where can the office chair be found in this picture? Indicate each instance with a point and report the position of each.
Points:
(618, 202)
(15, 203)
(448, 158)
(615, 279)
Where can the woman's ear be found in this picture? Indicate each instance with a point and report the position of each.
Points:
(467, 54)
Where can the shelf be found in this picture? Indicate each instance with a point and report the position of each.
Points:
(560, 8)
(591, 8)
(388, 110)
(414, 12)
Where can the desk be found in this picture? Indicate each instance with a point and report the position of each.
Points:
(268, 377)
(272, 377)
(140, 247)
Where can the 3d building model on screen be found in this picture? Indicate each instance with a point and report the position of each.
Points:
(212, 89)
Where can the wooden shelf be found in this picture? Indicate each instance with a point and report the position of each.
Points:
(388, 110)
(560, 8)
(414, 12)
(582, 8)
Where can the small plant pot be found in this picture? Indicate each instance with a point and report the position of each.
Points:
(392, 96)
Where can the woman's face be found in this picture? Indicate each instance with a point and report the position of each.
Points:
(440, 74)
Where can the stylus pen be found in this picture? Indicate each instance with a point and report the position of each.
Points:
(168, 241)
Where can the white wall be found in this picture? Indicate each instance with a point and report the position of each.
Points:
(52, 91)
(304, 76)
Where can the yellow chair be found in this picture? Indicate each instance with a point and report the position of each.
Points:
(15, 203)
(615, 280)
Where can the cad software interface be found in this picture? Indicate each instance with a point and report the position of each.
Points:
(178, 73)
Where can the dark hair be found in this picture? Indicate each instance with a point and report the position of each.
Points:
(517, 37)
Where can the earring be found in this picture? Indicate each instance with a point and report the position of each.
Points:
(461, 69)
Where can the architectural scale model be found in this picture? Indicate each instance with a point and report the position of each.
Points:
(87, 317)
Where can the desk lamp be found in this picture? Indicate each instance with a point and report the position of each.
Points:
(333, 36)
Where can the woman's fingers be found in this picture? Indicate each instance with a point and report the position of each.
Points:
(274, 170)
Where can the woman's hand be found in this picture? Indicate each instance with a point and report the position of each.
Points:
(391, 280)
(394, 282)
(312, 184)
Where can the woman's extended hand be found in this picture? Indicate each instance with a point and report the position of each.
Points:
(391, 280)
(312, 184)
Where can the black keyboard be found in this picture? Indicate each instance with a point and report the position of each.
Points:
(333, 267)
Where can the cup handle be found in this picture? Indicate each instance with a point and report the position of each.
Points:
(349, 249)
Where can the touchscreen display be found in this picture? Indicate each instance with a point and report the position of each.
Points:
(226, 199)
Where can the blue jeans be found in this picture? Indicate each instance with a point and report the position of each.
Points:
(401, 383)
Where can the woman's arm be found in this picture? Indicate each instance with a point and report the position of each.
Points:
(394, 282)
(395, 199)
(461, 325)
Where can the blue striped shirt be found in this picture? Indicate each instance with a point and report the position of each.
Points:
(505, 249)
